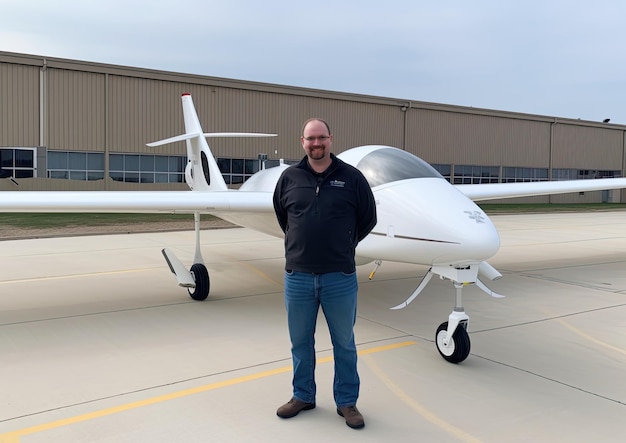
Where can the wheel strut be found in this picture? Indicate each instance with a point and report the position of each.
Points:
(451, 338)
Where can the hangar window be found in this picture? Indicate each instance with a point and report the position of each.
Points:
(71, 165)
(17, 162)
(520, 175)
(582, 174)
(237, 170)
(472, 174)
(137, 168)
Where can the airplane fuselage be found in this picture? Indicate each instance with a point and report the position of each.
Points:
(422, 220)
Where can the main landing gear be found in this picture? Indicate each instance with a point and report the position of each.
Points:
(196, 279)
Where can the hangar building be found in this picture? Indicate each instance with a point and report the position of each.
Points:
(76, 125)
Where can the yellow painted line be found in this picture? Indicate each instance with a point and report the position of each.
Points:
(264, 275)
(250, 265)
(69, 276)
(588, 337)
(429, 416)
(580, 333)
(14, 436)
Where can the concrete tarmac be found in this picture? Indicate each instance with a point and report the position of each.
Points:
(98, 344)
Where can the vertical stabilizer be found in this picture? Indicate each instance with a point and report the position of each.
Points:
(201, 172)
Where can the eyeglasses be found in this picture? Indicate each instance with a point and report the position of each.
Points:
(321, 138)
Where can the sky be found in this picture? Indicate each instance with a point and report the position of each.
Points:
(552, 58)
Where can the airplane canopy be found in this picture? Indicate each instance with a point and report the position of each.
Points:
(386, 165)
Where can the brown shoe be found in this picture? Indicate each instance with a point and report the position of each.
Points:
(293, 408)
(353, 417)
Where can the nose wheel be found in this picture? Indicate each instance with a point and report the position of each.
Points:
(453, 349)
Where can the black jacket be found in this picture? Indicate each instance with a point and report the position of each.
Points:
(323, 216)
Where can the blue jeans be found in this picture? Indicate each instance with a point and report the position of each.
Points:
(336, 293)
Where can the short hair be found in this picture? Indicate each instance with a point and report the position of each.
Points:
(314, 119)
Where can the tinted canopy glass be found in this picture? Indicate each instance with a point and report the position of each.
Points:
(388, 165)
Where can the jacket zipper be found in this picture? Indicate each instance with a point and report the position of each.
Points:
(320, 180)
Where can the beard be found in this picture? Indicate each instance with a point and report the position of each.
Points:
(317, 153)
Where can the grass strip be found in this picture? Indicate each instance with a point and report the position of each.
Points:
(61, 220)
(512, 208)
(37, 220)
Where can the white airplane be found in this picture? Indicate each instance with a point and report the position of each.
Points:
(422, 218)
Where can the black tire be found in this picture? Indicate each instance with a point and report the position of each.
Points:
(458, 348)
(203, 283)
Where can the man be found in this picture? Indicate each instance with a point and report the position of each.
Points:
(325, 207)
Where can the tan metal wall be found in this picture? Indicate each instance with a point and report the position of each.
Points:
(99, 107)
(19, 105)
(469, 139)
(229, 109)
(352, 123)
(142, 110)
(76, 110)
(587, 147)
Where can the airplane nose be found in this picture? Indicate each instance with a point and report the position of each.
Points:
(434, 223)
(471, 234)
(480, 239)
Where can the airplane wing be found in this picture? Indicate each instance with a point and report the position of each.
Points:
(236, 201)
(491, 191)
(136, 201)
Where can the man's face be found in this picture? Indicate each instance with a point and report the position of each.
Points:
(316, 140)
